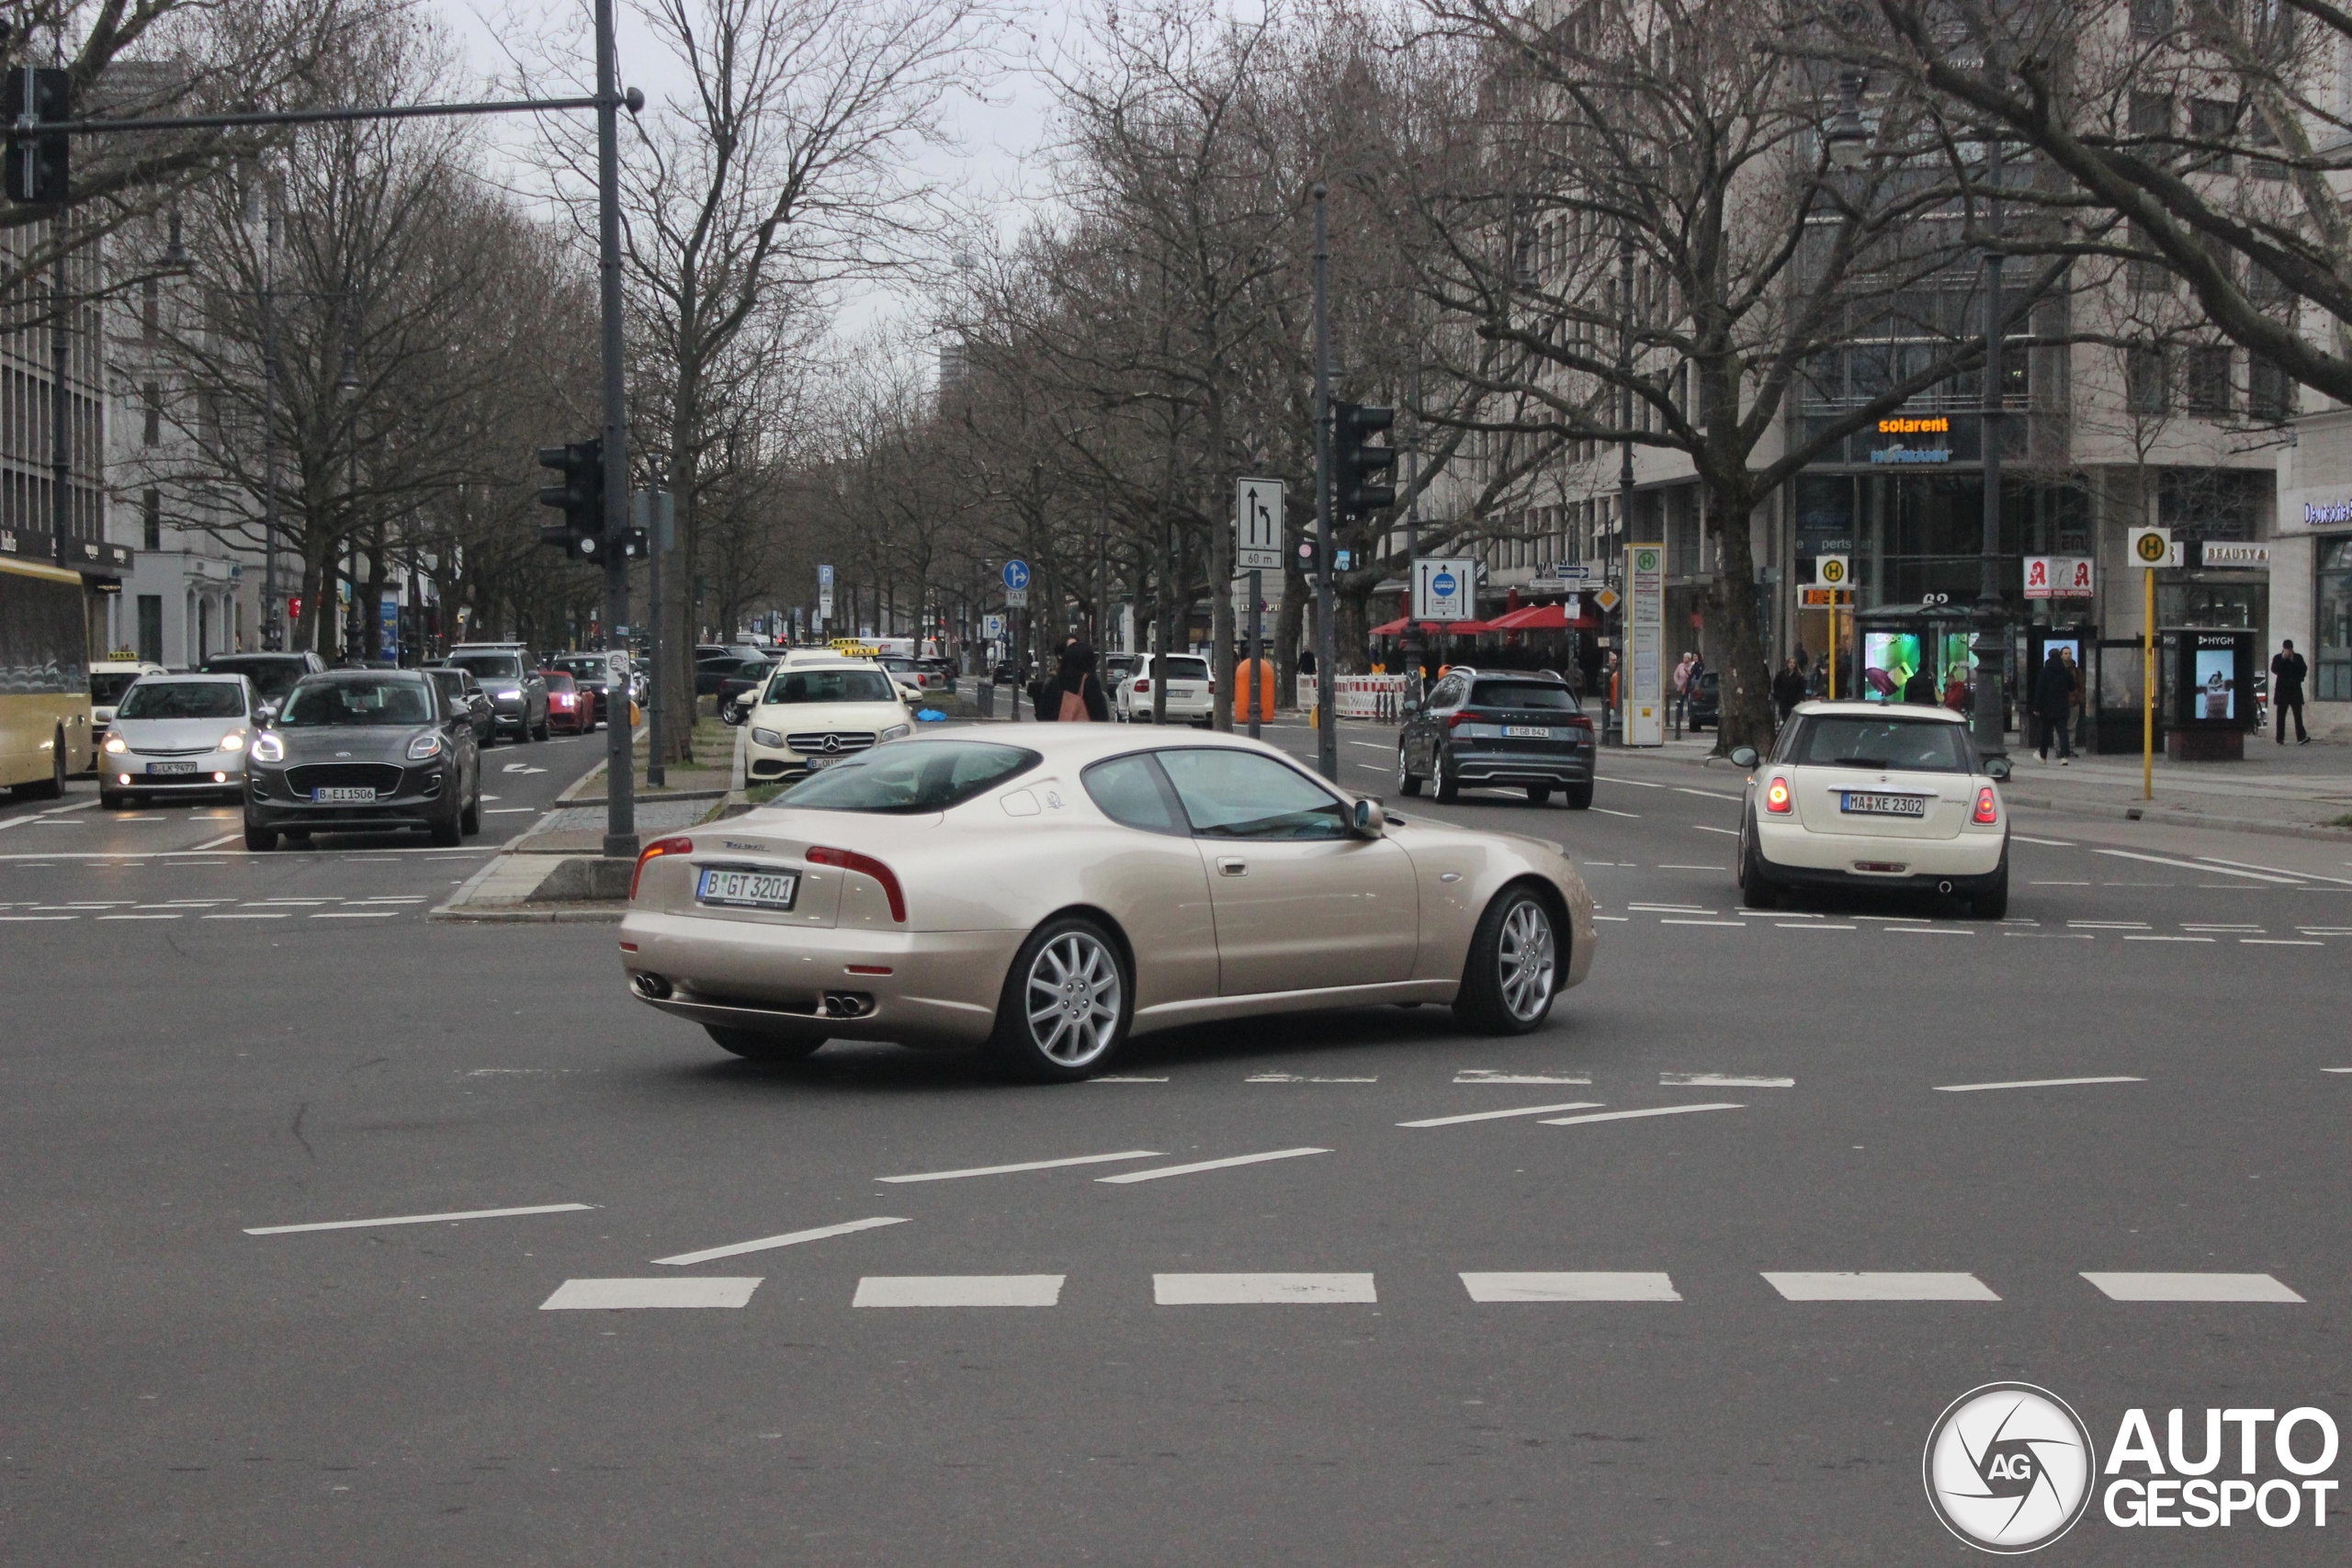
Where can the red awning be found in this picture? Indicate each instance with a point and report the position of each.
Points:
(1427, 628)
(1552, 618)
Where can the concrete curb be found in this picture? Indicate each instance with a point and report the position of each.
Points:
(573, 915)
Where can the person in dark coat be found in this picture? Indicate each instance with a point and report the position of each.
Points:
(1075, 693)
(1788, 688)
(1921, 687)
(2287, 673)
(2053, 708)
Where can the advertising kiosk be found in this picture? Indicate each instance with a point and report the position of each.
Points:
(1897, 641)
(2211, 693)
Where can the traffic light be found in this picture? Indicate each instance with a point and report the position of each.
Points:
(1358, 483)
(580, 498)
(36, 165)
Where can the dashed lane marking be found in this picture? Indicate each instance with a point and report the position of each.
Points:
(1296, 1078)
(791, 1238)
(1025, 1165)
(2029, 1083)
(1573, 1287)
(1502, 1115)
(1251, 1290)
(1490, 1074)
(1677, 921)
(959, 1291)
(1861, 1287)
(1720, 1080)
(1606, 812)
(1703, 828)
(623, 1295)
(421, 1219)
(1157, 1172)
(1632, 1115)
(2191, 1288)
(2288, 881)
(2047, 843)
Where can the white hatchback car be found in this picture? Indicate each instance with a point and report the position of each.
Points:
(814, 712)
(1191, 690)
(177, 735)
(1874, 794)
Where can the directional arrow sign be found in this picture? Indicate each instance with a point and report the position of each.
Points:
(1258, 524)
(1441, 590)
(1016, 575)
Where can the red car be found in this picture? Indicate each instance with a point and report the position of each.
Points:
(572, 708)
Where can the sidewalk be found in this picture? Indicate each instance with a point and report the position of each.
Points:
(2296, 791)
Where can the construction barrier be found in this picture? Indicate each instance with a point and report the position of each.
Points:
(1380, 698)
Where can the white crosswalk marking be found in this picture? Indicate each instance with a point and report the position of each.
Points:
(1249, 1289)
(959, 1291)
(1578, 1287)
(614, 1295)
(1861, 1287)
(2191, 1288)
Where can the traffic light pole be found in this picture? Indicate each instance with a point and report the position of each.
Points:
(1327, 644)
(620, 773)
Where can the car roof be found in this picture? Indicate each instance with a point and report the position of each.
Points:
(192, 677)
(1908, 710)
(1081, 745)
(322, 677)
(1554, 676)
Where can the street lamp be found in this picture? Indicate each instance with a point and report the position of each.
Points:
(1848, 138)
(348, 386)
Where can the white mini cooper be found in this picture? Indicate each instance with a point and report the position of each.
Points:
(1874, 794)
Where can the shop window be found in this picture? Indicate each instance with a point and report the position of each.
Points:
(2332, 618)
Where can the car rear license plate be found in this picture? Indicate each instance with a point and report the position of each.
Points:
(1527, 731)
(344, 797)
(747, 889)
(160, 770)
(1860, 805)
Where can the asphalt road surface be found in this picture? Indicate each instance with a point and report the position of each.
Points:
(1421, 1334)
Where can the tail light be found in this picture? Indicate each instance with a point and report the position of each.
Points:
(1579, 721)
(849, 860)
(1143, 685)
(1988, 806)
(657, 848)
(1455, 721)
(1776, 797)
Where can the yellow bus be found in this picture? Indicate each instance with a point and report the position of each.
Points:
(45, 730)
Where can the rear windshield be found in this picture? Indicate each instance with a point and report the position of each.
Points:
(831, 686)
(271, 677)
(1522, 694)
(910, 776)
(1184, 667)
(1919, 746)
(184, 699)
(558, 681)
(490, 666)
(105, 689)
(326, 702)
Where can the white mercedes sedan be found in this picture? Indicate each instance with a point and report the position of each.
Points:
(1049, 891)
(1888, 796)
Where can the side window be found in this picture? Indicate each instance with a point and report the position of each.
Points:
(1129, 791)
(1449, 692)
(1790, 736)
(1239, 795)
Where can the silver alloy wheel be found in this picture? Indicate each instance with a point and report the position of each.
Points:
(1073, 999)
(1524, 957)
(1403, 773)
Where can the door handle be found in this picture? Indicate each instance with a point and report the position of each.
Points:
(1232, 865)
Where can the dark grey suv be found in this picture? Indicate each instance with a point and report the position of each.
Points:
(361, 750)
(1516, 728)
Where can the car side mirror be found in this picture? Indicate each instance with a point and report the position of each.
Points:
(1997, 769)
(1743, 756)
(1368, 818)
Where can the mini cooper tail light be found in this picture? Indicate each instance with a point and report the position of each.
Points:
(849, 860)
(657, 848)
(1776, 797)
(1988, 806)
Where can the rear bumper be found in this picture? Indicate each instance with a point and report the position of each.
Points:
(942, 989)
(1500, 767)
(1792, 857)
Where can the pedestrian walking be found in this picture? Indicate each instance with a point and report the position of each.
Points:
(1920, 687)
(1683, 673)
(1788, 687)
(1075, 694)
(1956, 689)
(2053, 705)
(2287, 673)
